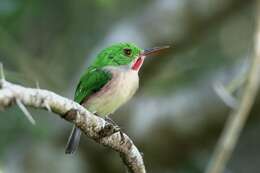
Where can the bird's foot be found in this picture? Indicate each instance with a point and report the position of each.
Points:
(109, 120)
(118, 129)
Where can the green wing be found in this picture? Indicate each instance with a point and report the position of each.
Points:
(92, 81)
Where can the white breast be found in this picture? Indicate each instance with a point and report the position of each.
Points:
(115, 93)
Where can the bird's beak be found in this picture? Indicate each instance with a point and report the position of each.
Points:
(154, 50)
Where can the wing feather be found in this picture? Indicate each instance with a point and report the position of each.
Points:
(90, 82)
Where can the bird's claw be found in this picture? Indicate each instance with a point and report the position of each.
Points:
(109, 120)
(122, 137)
(117, 129)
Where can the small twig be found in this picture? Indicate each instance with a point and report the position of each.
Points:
(25, 111)
(47, 107)
(37, 84)
(225, 95)
(237, 119)
(237, 83)
(2, 74)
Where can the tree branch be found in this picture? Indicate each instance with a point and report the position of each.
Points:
(94, 127)
(238, 117)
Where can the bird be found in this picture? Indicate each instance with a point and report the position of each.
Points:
(109, 82)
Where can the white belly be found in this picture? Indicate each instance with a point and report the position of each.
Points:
(115, 93)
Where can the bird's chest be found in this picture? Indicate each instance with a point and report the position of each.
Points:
(115, 93)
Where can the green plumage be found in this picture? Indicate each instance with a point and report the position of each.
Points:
(92, 81)
(110, 81)
(96, 77)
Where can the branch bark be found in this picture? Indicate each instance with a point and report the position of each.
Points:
(94, 127)
(238, 117)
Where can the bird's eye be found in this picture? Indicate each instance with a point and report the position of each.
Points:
(127, 51)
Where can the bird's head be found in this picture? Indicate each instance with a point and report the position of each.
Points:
(125, 54)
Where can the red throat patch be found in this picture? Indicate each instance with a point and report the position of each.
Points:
(138, 63)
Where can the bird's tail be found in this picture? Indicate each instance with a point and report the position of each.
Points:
(73, 141)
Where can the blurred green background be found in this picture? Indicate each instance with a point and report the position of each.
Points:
(175, 117)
